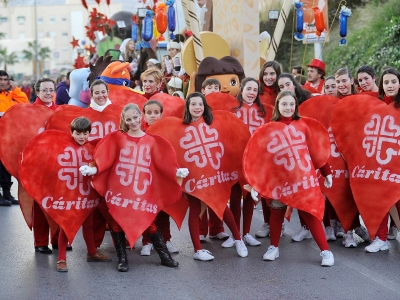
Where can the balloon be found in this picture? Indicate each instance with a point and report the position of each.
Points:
(134, 31)
(161, 18)
(171, 18)
(298, 35)
(156, 33)
(319, 20)
(147, 29)
(344, 14)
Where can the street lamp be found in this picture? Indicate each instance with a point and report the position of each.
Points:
(36, 43)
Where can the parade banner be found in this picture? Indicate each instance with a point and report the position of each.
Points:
(212, 153)
(53, 180)
(136, 176)
(367, 132)
(340, 195)
(280, 160)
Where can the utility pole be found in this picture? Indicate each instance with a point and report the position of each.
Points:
(36, 43)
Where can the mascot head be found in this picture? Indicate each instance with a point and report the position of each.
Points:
(117, 75)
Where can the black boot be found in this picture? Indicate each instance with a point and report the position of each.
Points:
(4, 202)
(162, 250)
(7, 195)
(120, 246)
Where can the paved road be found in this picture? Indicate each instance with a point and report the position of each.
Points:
(297, 274)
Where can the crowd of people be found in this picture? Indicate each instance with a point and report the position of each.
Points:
(274, 96)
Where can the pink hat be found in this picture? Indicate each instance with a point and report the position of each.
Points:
(318, 64)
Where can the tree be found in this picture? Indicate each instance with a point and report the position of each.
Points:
(2, 35)
(7, 59)
(29, 55)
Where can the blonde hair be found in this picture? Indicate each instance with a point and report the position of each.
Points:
(130, 53)
(122, 124)
(156, 73)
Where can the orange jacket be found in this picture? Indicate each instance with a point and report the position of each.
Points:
(9, 98)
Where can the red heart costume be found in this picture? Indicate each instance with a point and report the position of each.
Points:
(366, 130)
(280, 161)
(57, 185)
(340, 195)
(137, 178)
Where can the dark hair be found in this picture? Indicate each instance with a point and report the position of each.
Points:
(299, 70)
(152, 102)
(301, 79)
(207, 114)
(60, 78)
(277, 67)
(37, 84)
(257, 101)
(301, 94)
(69, 73)
(343, 71)
(366, 69)
(97, 82)
(81, 124)
(381, 92)
(3, 73)
(210, 81)
(276, 115)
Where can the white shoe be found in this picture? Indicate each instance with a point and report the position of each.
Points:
(241, 248)
(219, 236)
(327, 258)
(283, 229)
(392, 235)
(171, 248)
(272, 253)
(377, 245)
(146, 250)
(203, 255)
(249, 240)
(362, 232)
(348, 240)
(330, 234)
(228, 243)
(263, 232)
(303, 233)
(339, 230)
(202, 238)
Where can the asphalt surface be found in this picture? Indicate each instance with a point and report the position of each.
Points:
(296, 274)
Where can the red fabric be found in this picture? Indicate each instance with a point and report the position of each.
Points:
(382, 232)
(340, 195)
(40, 102)
(366, 131)
(387, 99)
(211, 153)
(310, 89)
(162, 222)
(57, 185)
(102, 122)
(268, 96)
(316, 229)
(169, 103)
(293, 152)
(122, 97)
(40, 226)
(210, 224)
(131, 172)
(320, 87)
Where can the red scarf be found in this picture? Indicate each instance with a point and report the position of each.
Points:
(40, 102)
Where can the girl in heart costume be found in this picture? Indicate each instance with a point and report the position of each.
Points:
(306, 196)
(330, 88)
(126, 164)
(269, 89)
(366, 77)
(389, 87)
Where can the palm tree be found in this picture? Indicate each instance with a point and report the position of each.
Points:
(7, 59)
(29, 55)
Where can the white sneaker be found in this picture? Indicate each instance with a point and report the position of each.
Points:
(146, 250)
(327, 258)
(339, 230)
(219, 236)
(283, 229)
(392, 235)
(348, 240)
(171, 248)
(377, 245)
(203, 255)
(228, 243)
(303, 233)
(263, 232)
(362, 232)
(249, 240)
(272, 253)
(330, 234)
(241, 248)
(202, 238)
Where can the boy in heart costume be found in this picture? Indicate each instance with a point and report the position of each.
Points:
(70, 200)
(136, 180)
(210, 145)
(286, 152)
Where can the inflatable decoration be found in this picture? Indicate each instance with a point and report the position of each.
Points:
(298, 34)
(319, 20)
(344, 14)
(161, 18)
(147, 29)
(79, 87)
(171, 18)
(134, 31)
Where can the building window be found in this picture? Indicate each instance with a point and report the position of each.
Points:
(40, 35)
(65, 48)
(65, 34)
(64, 19)
(3, 20)
(52, 34)
(40, 20)
(52, 20)
(21, 36)
(21, 20)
